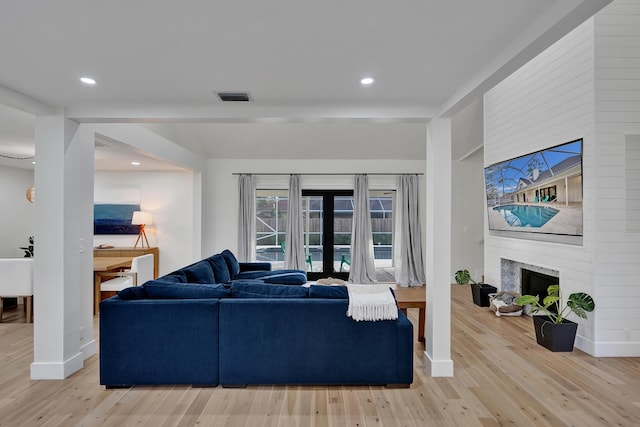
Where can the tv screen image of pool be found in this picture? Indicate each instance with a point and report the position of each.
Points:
(540, 192)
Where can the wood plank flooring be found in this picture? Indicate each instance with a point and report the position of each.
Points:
(502, 377)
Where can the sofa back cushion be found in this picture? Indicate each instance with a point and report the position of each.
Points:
(175, 277)
(166, 290)
(200, 272)
(220, 268)
(232, 262)
(332, 292)
(132, 293)
(257, 289)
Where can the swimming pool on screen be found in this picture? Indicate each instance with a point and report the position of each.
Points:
(526, 215)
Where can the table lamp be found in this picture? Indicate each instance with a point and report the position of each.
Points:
(141, 218)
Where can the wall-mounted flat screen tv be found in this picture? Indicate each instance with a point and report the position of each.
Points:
(539, 194)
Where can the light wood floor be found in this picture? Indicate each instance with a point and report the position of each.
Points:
(501, 377)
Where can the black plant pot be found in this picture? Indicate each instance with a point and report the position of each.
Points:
(481, 294)
(558, 337)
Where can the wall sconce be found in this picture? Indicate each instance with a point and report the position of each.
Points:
(31, 194)
(141, 218)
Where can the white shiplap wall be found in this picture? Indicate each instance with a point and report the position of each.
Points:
(617, 125)
(632, 183)
(586, 85)
(547, 102)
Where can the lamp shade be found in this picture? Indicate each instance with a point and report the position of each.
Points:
(141, 217)
(31, 194)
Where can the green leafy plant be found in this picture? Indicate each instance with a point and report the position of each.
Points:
(28, 250)
(579, 303)
(463, 277)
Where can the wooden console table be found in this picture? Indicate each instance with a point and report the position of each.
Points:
(413, 297)
(130, 252)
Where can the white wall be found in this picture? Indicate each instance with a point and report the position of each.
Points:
(617, 115)
(169, 196)
(586, 85)
(467, 198)
(547, 102)
(222, 187)
(16, 214)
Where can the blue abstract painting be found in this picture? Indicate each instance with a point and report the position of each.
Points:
(114, 219)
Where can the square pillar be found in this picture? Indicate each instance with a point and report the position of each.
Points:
(63, 273)
(438, 238)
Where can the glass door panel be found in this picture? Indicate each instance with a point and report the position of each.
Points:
(312, 217)
(342, 223)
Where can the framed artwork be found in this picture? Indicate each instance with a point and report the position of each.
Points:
(114, 218)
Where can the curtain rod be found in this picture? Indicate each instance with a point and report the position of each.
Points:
(325, 173)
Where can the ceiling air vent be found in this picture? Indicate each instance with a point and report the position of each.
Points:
(233, 96)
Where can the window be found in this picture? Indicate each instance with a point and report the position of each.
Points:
(271, 221)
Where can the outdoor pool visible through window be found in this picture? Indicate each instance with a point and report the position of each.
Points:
(526, 216)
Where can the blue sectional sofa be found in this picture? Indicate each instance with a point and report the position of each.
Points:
(246, 331)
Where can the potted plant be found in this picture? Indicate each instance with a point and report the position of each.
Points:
(479, 291)
(553, 330)
(28, 250)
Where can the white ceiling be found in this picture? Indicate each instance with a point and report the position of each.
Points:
(161, 62)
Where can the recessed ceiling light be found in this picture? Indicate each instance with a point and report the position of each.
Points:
(366, 81)
(135, 163)
(87, 80)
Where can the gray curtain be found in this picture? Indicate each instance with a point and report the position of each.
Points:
(294, 238)
(246, 218)
(410, 271)
(363, 269)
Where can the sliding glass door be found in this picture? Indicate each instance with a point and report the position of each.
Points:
(327, 220)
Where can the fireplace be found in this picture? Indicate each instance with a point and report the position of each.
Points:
(536, 283)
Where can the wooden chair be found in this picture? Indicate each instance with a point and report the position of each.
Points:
(16, 281)
(141, 271)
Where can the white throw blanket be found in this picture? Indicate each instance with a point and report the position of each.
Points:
(371, 302)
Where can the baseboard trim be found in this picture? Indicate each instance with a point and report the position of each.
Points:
(617, 349)
(56, 370)
(438, 368)
(88, 350)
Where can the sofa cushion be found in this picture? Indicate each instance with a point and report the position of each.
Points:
(175, 277)
(254, 266)
(134, 292)
(256, 289)
(219, 268)
(166, 290)
(200, 272)
(284, 277)
(232, 262)
(332, 292)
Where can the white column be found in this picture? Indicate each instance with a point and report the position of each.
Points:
(63, 280)
(438, 237)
